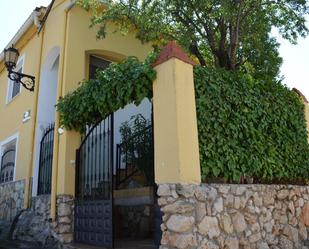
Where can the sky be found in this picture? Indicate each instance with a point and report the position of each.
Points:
(295, 68)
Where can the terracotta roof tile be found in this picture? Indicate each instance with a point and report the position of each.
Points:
(172, 50)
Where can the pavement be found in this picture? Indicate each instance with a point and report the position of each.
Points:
(4, 244)
(142, 244)
(125, 244)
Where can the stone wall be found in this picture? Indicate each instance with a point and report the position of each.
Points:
(64, 223)
(35, 224)
(11, 199)
(234, 216)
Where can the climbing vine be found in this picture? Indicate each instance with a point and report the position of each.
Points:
(120, 84)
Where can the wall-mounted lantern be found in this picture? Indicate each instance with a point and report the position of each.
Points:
(10, 59)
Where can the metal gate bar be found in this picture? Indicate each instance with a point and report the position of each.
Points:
(94, 181)
(46, 161)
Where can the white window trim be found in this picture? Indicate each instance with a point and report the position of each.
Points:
(20, 63)
(13, 138)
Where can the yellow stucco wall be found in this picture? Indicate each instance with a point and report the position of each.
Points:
(11, 114)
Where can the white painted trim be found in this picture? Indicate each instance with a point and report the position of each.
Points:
(20, 64)
(8, 140)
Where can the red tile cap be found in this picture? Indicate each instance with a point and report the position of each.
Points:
(300, 95)
(172, 50)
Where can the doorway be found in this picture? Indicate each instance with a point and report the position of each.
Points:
(45, 123)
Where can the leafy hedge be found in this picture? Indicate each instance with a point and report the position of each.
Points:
(120, 84)
(250, 129)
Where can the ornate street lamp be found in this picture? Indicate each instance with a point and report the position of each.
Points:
(10, 59)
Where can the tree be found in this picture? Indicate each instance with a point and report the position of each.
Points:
(229, 34)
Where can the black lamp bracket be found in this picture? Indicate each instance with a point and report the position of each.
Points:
(27, 81)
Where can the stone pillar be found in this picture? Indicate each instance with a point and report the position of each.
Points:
(175, 124)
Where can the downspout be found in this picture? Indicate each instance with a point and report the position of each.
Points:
(60, 91)
(28, 185)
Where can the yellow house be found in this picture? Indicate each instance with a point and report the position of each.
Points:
(61, 186)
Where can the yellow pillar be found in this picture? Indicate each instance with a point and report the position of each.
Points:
(55, 164)
(175, 124)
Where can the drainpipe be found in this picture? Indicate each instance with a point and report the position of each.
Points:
(60, 92)
(28, 185)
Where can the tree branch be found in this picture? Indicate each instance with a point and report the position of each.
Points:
(195, 50)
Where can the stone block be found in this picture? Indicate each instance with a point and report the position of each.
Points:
(64, 209)
(209, 226)
(179, 207)
(180, 223)
(239, 222)
(181, 241)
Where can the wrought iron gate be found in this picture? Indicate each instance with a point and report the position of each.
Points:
(46, 161)
(94, 186)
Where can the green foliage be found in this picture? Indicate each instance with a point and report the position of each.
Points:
(137, 142)
(250, 128)
(120, 84)
(228, 34)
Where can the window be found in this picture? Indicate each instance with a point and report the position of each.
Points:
(8, 159)
(95, 64)
(13, 87)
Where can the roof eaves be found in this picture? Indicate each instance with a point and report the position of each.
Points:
(32, 19)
